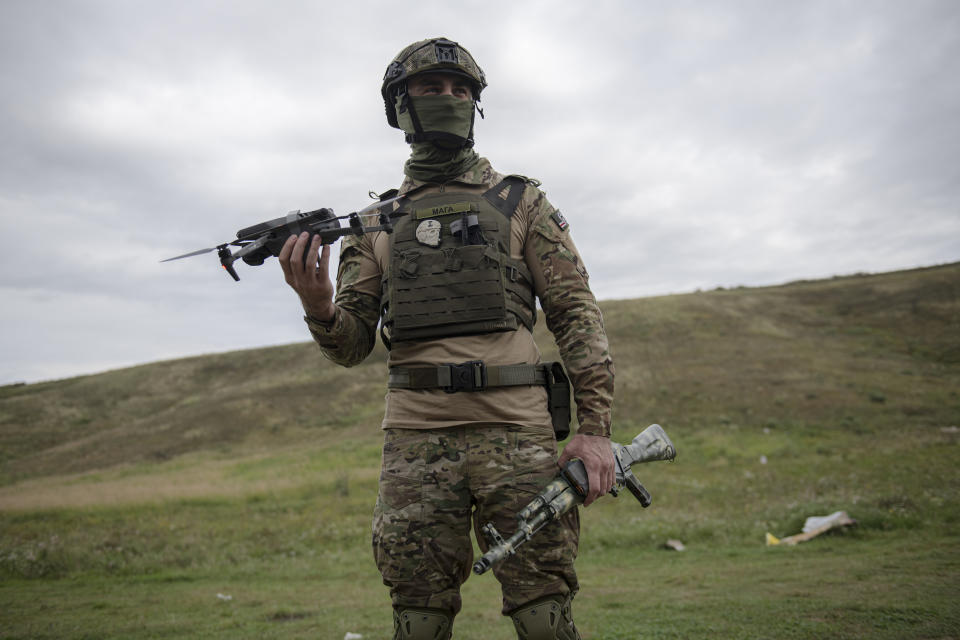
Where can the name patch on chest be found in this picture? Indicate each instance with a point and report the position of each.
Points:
(441, 210)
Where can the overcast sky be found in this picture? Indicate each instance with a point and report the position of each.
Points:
(690, 145)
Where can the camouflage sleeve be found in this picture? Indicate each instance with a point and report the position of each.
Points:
(572, 314)
(352, 334)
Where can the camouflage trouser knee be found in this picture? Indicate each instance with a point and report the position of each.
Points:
(434, 481)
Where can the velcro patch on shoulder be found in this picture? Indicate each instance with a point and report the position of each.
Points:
(442, 210)
(559, 220)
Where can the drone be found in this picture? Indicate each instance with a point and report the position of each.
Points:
(259, 242)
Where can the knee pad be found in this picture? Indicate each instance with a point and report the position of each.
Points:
(422, 624)
(547, 618)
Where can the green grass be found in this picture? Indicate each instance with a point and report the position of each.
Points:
(129, 500)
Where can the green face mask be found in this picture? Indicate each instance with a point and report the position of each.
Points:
(439, 115)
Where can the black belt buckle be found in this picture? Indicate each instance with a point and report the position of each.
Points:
(467, 376)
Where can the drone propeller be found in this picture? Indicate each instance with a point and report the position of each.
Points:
(197, 252)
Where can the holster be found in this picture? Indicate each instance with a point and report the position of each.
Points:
(558, 399)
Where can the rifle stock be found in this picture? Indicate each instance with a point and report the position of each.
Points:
(651, 445)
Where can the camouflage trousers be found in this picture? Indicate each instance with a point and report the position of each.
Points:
(437, 484)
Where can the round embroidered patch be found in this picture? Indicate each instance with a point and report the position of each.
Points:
(428, 233)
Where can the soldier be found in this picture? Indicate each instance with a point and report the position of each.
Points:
(457, 282)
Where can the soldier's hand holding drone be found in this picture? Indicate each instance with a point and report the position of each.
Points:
(309, 278)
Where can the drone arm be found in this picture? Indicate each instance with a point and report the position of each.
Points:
(226, 260)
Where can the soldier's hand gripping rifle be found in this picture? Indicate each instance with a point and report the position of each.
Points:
(569, 489)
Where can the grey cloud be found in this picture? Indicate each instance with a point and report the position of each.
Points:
(691, 145)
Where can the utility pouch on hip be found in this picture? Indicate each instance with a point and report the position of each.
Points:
(558, 398)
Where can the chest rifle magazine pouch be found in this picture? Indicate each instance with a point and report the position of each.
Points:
(558, 399)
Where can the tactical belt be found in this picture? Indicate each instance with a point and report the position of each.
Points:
(476, 376)
(467, 376)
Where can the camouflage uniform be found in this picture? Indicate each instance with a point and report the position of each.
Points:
(455, 460)
(493, 457)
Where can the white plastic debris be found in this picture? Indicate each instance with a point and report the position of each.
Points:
(763, 459)
(352, 636)
(837, 518)
(224, 597)
(673, 545)
(812, 527)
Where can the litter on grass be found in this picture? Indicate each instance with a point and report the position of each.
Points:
(352, 636)
(813, 527)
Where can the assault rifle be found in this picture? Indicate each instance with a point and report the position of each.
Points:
(569, 489)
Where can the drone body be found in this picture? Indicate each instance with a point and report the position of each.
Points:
(259, 242)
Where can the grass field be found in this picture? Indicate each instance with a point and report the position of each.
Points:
(229, 496)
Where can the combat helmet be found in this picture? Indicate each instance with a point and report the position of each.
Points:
(430, 55)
